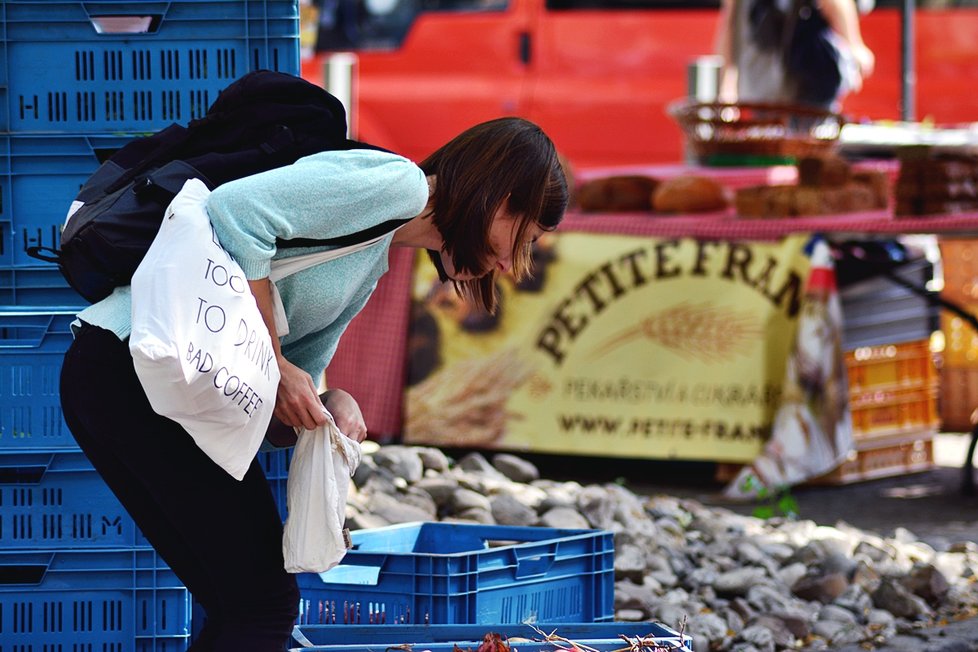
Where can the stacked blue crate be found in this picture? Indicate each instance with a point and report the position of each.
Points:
(465, 573)
(527, 637)
(78, 80)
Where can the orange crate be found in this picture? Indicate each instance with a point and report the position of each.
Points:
(884, 459)
(960, 339)
(960, 264)
(891, 366)
(959, 397)
(893, 411)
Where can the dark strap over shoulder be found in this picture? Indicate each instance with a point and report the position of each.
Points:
(344, 240)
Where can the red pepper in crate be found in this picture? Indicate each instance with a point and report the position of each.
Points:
(491, 642)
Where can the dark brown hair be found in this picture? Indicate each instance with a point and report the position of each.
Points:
(504, 160)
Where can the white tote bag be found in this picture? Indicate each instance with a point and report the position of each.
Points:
(200, 347)
(199, 344)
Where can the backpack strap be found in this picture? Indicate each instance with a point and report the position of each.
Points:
(370, 233)
(287, 266)
(170, 140)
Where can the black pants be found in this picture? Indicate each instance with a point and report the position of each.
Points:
(222, 537)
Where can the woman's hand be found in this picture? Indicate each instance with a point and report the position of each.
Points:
(297, 403)
(865, 59)
(346, 413)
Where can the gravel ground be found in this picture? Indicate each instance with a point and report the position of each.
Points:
(928, 504)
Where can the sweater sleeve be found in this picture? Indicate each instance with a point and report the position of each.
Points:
(304, 200)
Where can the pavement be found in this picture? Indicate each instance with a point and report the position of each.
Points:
(929, 504)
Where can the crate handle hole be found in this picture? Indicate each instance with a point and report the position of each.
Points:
(23, 574)
(126, 24)
(534, 566)
(21, 474)
(351, 574)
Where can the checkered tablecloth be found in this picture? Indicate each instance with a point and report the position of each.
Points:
(727, 226)
(731, 177)
(370, 361)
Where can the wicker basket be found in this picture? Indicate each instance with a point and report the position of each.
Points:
(718, 132)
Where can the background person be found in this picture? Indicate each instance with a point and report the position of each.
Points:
(477, 205)
(754, 61)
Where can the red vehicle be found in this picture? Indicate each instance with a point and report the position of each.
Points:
(596, 74)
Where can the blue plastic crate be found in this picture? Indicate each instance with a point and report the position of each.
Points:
(121, 600)
(454, 573)
(32, 348)
(118, 65)
(39, 178)
(57, 500)
(38, 287)
(603, 637)
(275, 464)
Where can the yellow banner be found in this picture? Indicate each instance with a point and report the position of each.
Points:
(620, 346)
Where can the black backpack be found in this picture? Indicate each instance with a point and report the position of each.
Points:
(262, 121)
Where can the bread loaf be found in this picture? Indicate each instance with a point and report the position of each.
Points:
(616, 194)
(750, 202)
(823, 171)
(860, 197)
(878, 184)
(933, 181)
(808, 201)
(766, 202)
(797, 201)
(689, 194)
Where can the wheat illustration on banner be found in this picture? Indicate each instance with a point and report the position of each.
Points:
(702, 331)
(465, 403)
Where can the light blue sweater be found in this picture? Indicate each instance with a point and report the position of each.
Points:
(320, 196)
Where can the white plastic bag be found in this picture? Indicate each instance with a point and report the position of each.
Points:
(322, 464)
(200, 347)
